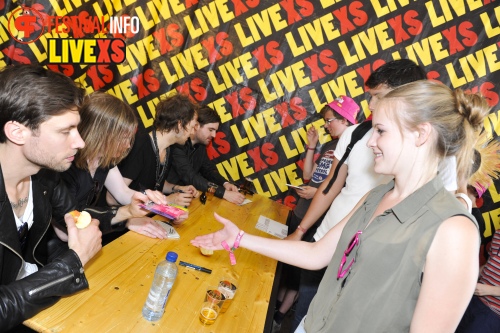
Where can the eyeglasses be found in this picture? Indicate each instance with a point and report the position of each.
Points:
(354, 241)
(22, 233)
(328, 121)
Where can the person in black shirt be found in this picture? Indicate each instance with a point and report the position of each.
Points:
(190, 162)
(148, 163)
(95, 166)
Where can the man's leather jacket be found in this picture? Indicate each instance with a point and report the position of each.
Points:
(57, 277)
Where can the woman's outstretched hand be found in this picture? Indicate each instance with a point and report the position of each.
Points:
(213, 241)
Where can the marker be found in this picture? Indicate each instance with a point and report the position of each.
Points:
(196, 267)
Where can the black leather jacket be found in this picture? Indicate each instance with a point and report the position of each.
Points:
(64, 275)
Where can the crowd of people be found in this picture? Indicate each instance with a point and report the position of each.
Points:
(385, 243)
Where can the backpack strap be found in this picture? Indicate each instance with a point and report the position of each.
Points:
(357, 134)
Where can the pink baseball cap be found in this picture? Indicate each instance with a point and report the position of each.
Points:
(346, 107)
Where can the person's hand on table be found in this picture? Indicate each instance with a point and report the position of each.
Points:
(234, 197)
(190, 189)
(156, 196)
(180, 219)
(147, 226)
(85, 242)
(181, 199)
(307, 192)
(213, 241)
(134, 208)
(230, 187)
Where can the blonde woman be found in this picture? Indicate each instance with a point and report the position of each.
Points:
(108, 128)
(406, 258)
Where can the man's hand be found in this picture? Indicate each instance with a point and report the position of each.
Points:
(134, 210)
(234, 197)
(181, 199)
(307, 192)
(85, 242)
(157, 197)
(189, 189)
(230, 187)
(147, 226)
(180, 219)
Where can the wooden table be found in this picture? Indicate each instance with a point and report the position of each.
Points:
(121, 274)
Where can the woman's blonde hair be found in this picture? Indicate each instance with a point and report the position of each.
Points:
(456, 117)
(106, 122)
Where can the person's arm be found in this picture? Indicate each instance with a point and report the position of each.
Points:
(117, 187)
(450, 276)
(306, 192)
(321, 202)
(63, 276)
(309, 165)
(487, 290)
(185, 169)
(119, 190)
(234, 197)
(313, 256)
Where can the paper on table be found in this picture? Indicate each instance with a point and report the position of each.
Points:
(272, 227)
(245, 202)
(172, 233)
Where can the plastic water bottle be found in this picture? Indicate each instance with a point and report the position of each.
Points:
(165, 274)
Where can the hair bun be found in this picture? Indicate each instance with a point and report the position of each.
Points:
(472, 107)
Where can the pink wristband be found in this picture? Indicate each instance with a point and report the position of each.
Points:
(232, 257)
(237, 240)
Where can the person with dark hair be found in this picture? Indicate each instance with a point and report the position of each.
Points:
(108, 127)
(38, 120)
(394, 74)
(405, 258)
(356, 173)
(149, 161)
(191, 164)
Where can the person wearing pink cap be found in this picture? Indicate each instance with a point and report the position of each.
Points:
(338, 116)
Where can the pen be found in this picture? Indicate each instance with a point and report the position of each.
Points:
(196, 267)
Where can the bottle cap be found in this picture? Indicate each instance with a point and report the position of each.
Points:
(172, 256)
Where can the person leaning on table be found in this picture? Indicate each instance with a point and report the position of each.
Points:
(108, 126)
(38, 120)
(191, 164)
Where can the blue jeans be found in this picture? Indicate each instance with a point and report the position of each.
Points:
(309, 283)
(479, 318)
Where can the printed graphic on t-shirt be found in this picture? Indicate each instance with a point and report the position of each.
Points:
(323, 168)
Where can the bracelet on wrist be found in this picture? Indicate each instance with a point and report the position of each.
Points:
(232, 257)
(310, 148)
(301, 229)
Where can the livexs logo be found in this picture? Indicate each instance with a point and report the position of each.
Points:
(26, 25)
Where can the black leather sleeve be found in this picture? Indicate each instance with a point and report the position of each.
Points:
(24, 298)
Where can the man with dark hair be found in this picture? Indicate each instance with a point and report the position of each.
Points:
(190, 162)
(38, 120)
(149, 161)
(357, 173)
